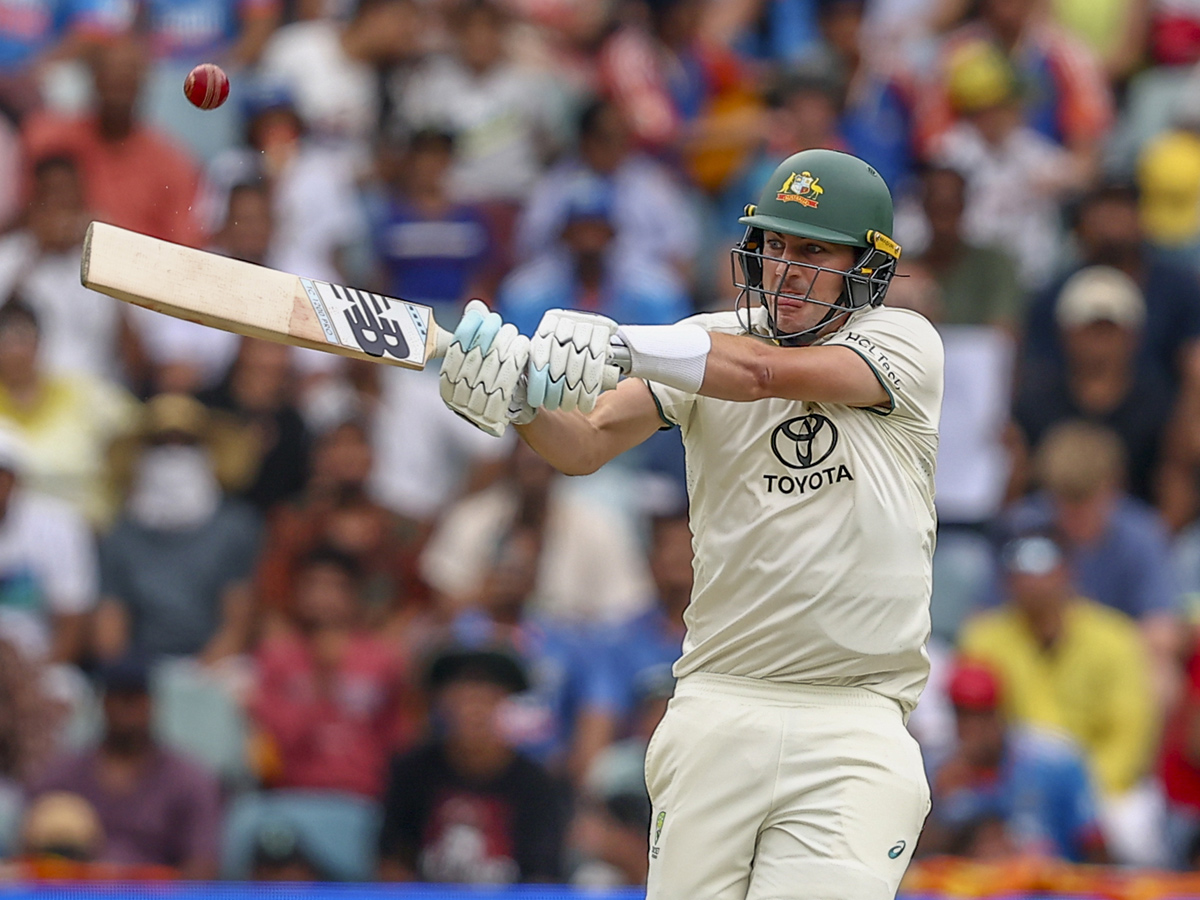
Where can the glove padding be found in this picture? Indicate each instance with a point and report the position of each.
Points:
(570, 360)
(483, 373)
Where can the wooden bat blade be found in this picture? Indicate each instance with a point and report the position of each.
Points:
(258, 302)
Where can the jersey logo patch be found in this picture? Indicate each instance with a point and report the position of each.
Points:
(805, 441)
(896, 850)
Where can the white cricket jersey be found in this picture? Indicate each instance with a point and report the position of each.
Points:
(814, 523)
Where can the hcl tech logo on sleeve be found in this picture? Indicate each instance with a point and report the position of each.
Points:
(803, 443)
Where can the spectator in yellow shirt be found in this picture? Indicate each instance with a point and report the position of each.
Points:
(1072, 664)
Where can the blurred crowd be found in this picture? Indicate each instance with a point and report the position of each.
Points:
(269, 613)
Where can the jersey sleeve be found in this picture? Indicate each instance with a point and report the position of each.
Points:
(905, 352)
(674, 405)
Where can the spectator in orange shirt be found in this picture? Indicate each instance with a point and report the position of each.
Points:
(132, 175)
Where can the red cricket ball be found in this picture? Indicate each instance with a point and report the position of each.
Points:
(206, 86)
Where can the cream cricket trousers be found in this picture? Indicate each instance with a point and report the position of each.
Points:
(767, 791)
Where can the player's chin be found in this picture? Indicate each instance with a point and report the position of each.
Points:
(794, 316)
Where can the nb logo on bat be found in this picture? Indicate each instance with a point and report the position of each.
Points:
(375, 324)
(805, 441)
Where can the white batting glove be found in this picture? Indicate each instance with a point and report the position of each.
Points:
(483, 373)
(570, 360)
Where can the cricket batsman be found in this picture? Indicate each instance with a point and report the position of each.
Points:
(809, 415)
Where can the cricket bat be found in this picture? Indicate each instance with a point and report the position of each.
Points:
(258, 302)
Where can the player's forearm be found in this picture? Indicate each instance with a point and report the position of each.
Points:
(569, 441)
(579, 444)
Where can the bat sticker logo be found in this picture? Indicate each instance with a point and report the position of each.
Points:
(378, 326)
(374, 332)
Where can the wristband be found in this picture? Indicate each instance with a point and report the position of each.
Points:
(672, 355)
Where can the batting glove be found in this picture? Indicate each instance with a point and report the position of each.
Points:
(570, 360)
(483, 373)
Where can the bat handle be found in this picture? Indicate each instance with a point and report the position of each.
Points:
(442, 339)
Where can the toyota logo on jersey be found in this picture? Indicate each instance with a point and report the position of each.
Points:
(805, 441)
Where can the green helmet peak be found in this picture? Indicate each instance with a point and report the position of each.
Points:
(825, 195)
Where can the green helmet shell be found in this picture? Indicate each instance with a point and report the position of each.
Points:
(824, 195)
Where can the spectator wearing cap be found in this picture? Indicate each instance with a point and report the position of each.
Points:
(465, 807)
(175, 569)
(1118, 549)
(585, 270)
(1068, 663)
(1168, 180)
(640, 186)
(978, 282)
(331, 698)
(49, 582)
(1035, 781)
(1068, 100)
(1108, 231)
(1100, 316)
(156, 807)
(66, 422)
(1016, 177)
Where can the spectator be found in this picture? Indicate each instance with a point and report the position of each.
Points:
(1168, 180)
(612, 819)
(296, 171)
(259, 395)
(1108, 232)
(81, 329)
(175, 569)
(1068, 100)
(60, 825)
(640, 185)
(66, 422)
(231, 31)
(682, 93)
(1100, 317)
(978, 282)
(330, 697)
(586, 269)
(645, 648)
(589, 566)
(280, 854)
(132, 175)
(570, 711)
(877, 116)
(1179, 768)
(155, 806)
(1068, 663)
(336, 511)
(1118, 549)
(32, 728)
(1035, 782)
(331, 67)
(48, 577)
(466, 807)
(1015, 177)
(432, 248)
(502, 115)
